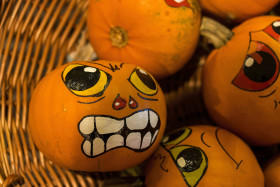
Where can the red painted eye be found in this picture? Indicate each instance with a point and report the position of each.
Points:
(274, 30)
(178, 3)
(259, 71)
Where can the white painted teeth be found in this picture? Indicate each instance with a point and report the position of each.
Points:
(105, 125)
(87, 125)
(146, 140)
(87, 148)
(154, 136)
(153, 118)
(114, 141)
(97, 146)
(133, 140)
(118, 135)
(94, 148)
(138, 121)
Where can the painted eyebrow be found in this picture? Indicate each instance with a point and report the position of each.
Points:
(112, 68)
(201, 137)
(238, 164)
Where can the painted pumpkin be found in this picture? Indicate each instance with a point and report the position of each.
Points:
(237, 11)
(271, 172)
(158, 35)
(203, 155)
(97, 116)
(241, 85)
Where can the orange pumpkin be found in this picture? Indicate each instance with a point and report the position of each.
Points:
(271, 172)
(203, 155)
(158, 35)
(241, 85)
(97, 116)
(237, 11)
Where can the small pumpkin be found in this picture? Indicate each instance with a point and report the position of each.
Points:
(240, 82)
(203, 155)
(237, 11)
(158, 35)
(271, 172)
(97, 116)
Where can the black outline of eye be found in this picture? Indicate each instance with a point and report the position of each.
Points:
(269, 82)
(109, 78)
(129, 79)
(270, 31)
(173, 145)
(175, 161)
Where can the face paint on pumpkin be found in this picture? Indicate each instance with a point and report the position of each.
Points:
(260, 69)
(178, 3)
(273, 30)
(241, 80)
(106, 111)
(137, 131)
(198, 152)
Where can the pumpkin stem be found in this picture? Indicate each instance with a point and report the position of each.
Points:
(118, 36)
(215, 32)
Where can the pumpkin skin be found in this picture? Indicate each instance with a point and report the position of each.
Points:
(83, 113)
(158, 35)
(237, 11)
(271, 172)
(203, 155)
(240, 82)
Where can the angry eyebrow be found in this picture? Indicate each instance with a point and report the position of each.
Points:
(111, 67)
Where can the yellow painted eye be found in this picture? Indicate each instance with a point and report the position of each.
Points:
(143, 82)
(176, 137)
(191, 161)
(85, 80)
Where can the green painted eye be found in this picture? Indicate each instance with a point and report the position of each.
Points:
(85, 80)
(176, 137)
(191, 161)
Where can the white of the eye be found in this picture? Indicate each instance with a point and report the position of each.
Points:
(90, 69)
(142, 71)
(181, 162)
(276, 24)
(179, 1)
(249, 62)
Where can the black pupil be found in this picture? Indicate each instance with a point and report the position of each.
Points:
(82, 78)
(146, 79)
(261, 72)
(276, 28)
(175, 135)
(193, 159)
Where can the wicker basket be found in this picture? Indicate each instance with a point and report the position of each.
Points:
(38, 36)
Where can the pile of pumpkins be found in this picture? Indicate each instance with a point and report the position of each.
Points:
(110, 114)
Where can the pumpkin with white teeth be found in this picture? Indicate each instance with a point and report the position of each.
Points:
(97, 116)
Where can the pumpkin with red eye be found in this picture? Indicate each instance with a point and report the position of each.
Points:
(241, 85)
(203, 155)
(97, 116)
(237, 11)
(158, 35)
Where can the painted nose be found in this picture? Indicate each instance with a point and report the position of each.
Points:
(120, 103)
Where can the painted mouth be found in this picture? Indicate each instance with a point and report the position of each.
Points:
(137, 132)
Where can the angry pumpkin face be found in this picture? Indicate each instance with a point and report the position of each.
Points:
(203, 155)
(97, 116)
(241, 85)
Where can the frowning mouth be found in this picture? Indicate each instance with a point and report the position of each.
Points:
(137, 132)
